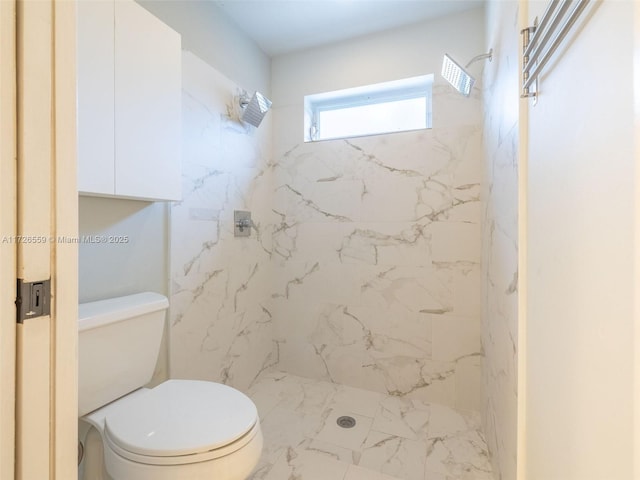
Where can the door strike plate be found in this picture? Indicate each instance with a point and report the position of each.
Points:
(33, 300)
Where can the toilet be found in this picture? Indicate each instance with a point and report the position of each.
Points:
(178, 430)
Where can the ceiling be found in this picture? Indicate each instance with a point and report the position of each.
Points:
(284, 26)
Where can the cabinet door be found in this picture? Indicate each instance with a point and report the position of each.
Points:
(147, 105)
(95, 97)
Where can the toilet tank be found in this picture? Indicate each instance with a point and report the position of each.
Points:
(118, 345)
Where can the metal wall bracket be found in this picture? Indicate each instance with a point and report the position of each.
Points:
(33, 299)
(541, 41)
(526, 35)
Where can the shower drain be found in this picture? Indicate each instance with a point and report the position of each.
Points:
(346, 421)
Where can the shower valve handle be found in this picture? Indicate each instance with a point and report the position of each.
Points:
(243, 223)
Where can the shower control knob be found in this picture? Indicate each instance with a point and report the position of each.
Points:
(242, 223)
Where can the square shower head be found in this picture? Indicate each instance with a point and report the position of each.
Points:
(254, 111)
(457, 76)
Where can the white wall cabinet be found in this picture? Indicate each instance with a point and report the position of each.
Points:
(129, 102)
(96, 172)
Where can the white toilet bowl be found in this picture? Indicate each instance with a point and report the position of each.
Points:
(179, 430)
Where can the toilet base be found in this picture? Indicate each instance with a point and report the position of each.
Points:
(101, 463)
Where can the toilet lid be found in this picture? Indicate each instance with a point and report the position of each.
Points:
(181, 417)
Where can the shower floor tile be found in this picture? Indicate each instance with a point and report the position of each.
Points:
(394, 438)
(349, 438)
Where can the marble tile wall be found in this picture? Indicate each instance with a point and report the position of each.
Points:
(220, 324)
(500, 238)
(376, 255)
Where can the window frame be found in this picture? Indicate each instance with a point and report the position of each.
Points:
(386, 92)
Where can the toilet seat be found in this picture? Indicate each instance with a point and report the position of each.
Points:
(180, 422)
(184, 459)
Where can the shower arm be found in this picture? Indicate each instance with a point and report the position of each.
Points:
(480, 57)
(244, 100)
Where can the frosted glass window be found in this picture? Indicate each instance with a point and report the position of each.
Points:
(398, 116)
(396, 106)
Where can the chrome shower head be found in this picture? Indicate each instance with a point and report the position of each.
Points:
(254, 109)
(457, 76)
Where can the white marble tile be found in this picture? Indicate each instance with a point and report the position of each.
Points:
(388, 244)
(396, 331)
(447, 422)
(319, 240)
(402, 215)
(416, 289)
(396, 456)
(267, 392)
(343, 361)
(220, 328)
(469, 388)
(310, 398)
(355, 472)
(397, 154)
(500, 239)
(425, 380)
(296, 394)
(402, 417)
(467, 283)
(462, 456)
(333, 451)
(357, 400)
(404, 437)
(402, 206)
(454, 337)
(387, 325)
(450, 242)
(337, 325)
(351, 438)
(284, 429)
(307, 465)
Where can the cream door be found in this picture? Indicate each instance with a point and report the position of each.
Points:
(7, 233)
(46, 345)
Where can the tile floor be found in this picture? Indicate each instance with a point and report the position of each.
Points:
(394, 438)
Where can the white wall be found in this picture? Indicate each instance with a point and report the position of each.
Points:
(137, 264)
(398, 53)
(581, 279)
(210, 34)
